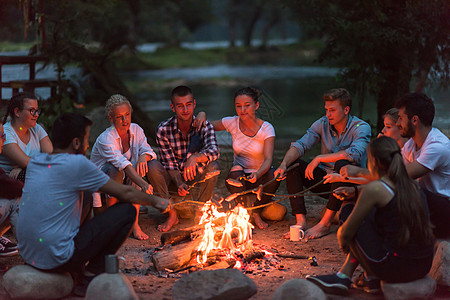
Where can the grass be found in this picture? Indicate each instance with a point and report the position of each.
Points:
(8, 46)
(304, 53)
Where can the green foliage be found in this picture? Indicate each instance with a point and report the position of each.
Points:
(382, 45)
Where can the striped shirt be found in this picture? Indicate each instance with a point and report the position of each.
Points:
(173, 147)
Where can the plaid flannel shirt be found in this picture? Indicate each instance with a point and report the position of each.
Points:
(173, 147)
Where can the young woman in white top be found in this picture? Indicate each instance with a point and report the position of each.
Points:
(253, 143)
(122, 152)
(24, 137)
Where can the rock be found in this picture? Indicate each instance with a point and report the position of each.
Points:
(299, 289)
(26, 282)
(419, 289)
(274, 212)
(440, 270)
(223, 284)
(110, 287)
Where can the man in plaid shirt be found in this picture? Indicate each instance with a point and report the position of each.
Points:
(187, 154)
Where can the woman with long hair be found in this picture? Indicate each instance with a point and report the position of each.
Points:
(24, 137)
(253, 144)
(389, 231)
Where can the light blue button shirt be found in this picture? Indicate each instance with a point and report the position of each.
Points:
(354, 140)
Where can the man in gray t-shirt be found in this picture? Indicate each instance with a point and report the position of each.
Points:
(50, 229)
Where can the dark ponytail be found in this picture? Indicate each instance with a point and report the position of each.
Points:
(253, 93)
(17, 102)
(413, 218)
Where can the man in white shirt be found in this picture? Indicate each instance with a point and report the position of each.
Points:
(427, 156)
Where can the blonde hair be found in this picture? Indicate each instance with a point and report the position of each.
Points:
(115, 100)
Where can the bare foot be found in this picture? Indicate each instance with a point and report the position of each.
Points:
(171, 221)
(317, 231)
(259, 222)
(138, 233)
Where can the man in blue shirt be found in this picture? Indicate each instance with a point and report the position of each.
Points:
(52, 229)
(343, 139)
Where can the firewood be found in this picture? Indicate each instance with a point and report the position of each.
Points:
(251, 254)
(175, 257)
(175, 237)
(224, 264)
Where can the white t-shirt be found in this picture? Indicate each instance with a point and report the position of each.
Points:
(248, 151)
(435, 156)
(50, 208)
(37, 133)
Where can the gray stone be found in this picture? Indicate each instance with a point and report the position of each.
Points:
(26, 282)
(223, 284)
(296, 289)
(423, 288)
(440, 270)
(110, 287)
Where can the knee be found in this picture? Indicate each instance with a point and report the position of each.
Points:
(155, 167)
(129, 211)
(339, 164)
(213, 166)
(112, 172)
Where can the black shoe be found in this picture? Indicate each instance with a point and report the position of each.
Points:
(371, 286)
(7, 243)
(7, 252)
(331, 284)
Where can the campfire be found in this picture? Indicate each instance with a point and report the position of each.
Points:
(221, 236)
(220, 240)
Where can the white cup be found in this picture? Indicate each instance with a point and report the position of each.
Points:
(296, 233)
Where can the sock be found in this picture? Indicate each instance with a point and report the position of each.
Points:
(342, 275)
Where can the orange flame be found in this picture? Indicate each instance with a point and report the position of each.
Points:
(236, 222)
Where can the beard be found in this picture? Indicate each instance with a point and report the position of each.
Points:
(81, 150)
(408, 131)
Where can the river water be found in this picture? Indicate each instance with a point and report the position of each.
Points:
(291, 102)
(292, 95)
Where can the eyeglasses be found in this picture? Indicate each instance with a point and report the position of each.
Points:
(33, 111)
(3, 136)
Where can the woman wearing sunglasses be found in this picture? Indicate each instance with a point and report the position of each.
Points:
(24, 137)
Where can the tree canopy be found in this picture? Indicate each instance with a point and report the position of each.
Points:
(384, 46)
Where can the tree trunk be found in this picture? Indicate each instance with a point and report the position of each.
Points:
(396, 84)
(232, 21)
(265, 32)
(251, 26)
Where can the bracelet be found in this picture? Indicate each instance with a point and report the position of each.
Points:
(356, 192)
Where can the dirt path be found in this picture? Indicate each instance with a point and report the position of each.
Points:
(148, 285)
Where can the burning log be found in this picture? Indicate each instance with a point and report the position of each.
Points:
(224, 264)
(175, 257)
(188, 233)
(251, 253)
